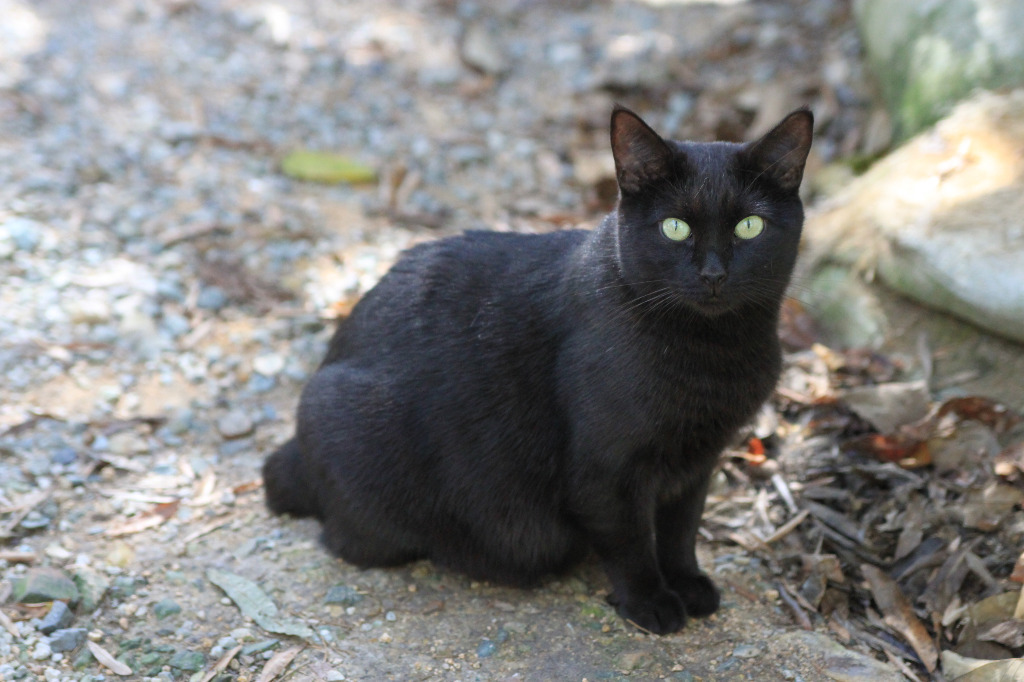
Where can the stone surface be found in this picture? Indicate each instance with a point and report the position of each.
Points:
(929, 55)
(59, 616)
(92, 586)
(938, 220)
(833, 660)
(44, 584)
(188, 661)
(67, 639)
(166, 607)
(235, 424)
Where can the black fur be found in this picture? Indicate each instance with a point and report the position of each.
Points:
(503, 403)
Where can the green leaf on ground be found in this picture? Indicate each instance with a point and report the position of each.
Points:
(255, 603)
(325, 167)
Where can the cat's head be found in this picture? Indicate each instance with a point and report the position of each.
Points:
(712, 227)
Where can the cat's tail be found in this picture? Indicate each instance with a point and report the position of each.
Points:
(285, 483)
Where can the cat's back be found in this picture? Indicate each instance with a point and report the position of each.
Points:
(471, 288)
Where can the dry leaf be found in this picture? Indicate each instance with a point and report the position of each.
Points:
(908, 452)
(221, 664)
(107, 660)
(1009, 633)
(898, 615)
(255, 603)
(156, 516)
(326, 167)
(247, 487)
(1006, 670)
(278, 662)
(990, 413)
(8, 625)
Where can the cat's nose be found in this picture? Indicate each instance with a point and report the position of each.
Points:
(713, 275)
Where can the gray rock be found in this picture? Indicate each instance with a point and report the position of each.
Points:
(481, 49)
(42, 651)
(889, 406)
(235, 424)
(847, 309)
(165, 608)
(67, 639)
(59, 616)
(269, 364)
(44, 584)
(938, 220)
(929, 55)
(344, 595)
(212, 298)
(92, 585)
(23, 233)
(64, 456)
(835, 661)
(189, 661)
(486, 649)
(746, 651)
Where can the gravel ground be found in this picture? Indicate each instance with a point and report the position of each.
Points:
(167, 290)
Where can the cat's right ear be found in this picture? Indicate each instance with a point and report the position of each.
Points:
(640, 154)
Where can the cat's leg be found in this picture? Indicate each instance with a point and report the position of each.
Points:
(286, 483)
(620, 527)
(677, 523)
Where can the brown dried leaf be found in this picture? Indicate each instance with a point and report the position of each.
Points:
(994, 415)
(278, 662)
(221, 664)
(1008, 633)
(908, 452)
(994, 608)
(156, 516)
(898, 615)
(986, 509)
(1006, 670)
(107, 660)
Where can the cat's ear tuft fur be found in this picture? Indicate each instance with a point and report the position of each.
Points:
(781, 153)
(640, 153)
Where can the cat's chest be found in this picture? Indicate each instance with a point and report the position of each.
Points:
(666, 390)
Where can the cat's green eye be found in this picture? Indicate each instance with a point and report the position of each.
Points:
(675, 229)
(750, 227)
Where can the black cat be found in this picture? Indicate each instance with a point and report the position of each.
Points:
(503, 403)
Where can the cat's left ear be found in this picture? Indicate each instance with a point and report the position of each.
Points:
(640, 154)
(781, 154)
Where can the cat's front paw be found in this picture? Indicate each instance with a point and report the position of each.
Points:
(661, 613)
(698, 593)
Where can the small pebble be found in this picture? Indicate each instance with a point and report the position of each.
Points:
(189, 661)
(486, 649)
(166, 607)
(67, 639)
(59, 616)
(344, 595)
(212, 298)
(42, 651)
(269, 365)
(234, 424)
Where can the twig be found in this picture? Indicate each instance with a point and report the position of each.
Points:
(780, 485)
(801, 617)
(9, 625)
(787, 528)
(14, 557)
